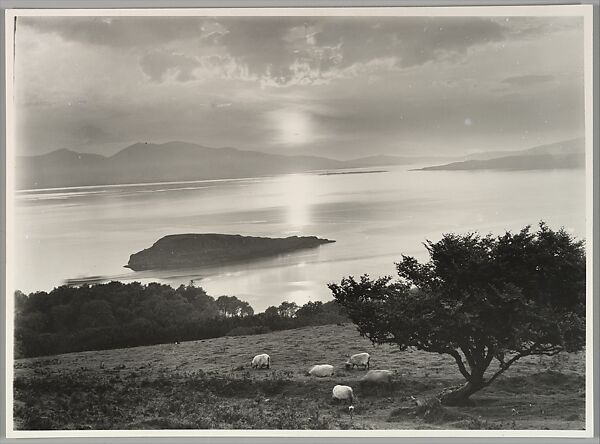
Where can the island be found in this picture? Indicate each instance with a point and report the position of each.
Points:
(180, 251)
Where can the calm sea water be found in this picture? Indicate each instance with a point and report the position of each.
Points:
(374, 217)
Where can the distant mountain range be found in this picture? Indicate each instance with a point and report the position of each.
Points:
(181, 161)
(568, 154)
(171, 162)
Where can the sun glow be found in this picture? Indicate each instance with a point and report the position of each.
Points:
(293, 127)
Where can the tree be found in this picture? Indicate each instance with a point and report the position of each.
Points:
(310, 310)
(231, 306)
(96, 313)
(170, 312)
(61, 315)
(20, 301)
(245, 309)
(287, 309)
(192, 293)
(271, 312)
(478, 299)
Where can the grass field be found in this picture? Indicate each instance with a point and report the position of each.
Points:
(209, 384)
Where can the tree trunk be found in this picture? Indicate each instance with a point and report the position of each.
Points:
(460, 396)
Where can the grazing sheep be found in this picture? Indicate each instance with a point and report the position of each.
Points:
(358, 360)
(261, 361)
(342, 393)
(321, 371)
(378, 380)
(377, 377)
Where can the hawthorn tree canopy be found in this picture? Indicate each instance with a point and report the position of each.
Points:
(480, 299)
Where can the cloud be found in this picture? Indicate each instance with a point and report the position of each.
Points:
(527, 28)
(158, 65)
(276, 50)
(123, 32)
(303, 50)
(527, 80)
(220, 105)
(412, 40)
(291, 51)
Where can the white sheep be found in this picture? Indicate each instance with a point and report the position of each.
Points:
(321, 370)
(343, 393)
(358, 360)
(261, 361)
(378, 377)
(378, 380)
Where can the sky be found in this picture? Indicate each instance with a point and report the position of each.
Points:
(339, 87)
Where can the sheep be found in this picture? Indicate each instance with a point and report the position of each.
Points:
(358, 360)
(261, 361)
(342, 393)
(321, 371)
(378, 379)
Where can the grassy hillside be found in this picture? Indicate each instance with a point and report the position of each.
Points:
(209, 384)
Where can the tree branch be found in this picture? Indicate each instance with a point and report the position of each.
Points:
(551, 350)
(480, 350)
(490, 355)
(504, 366)
(461, 365)
(465, 349)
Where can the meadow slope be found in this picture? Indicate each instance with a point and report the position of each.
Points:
(209, 384)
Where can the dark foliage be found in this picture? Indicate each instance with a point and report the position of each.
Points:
(478, 299)
(116, 315)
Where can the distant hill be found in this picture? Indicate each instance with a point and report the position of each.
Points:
(382, 160)
(171, 162)
(197, 250)
(181, 161)
(568, 154)
(516, 163)
(148, 162)
(563, 147)
(60, 167)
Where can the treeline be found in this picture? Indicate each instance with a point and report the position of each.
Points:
(116, 315)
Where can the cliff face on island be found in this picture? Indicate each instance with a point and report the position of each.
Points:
(199, 250)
